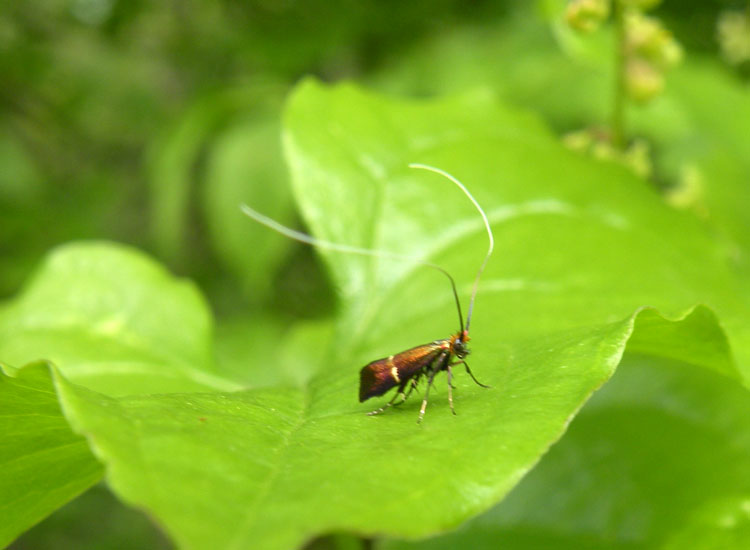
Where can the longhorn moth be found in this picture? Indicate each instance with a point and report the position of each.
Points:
(404, 370)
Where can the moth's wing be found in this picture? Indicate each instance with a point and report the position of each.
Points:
(378, 377)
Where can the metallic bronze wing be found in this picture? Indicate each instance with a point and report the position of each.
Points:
(378, 377)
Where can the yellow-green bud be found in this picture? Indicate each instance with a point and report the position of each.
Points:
(603, 150)
(643, 81)
(638, 158)
(689, 192)
(647, 38)
(734, 36)
(586, 15)
(578, 141)
(597, 143)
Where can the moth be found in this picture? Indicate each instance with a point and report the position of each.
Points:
(405, 369)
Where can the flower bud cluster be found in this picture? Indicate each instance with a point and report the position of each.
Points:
(688, 193)
(650, 50)
(597, 143)
(734, 36)
(586, 15)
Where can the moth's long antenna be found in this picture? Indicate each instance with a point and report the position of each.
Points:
(347, 249)
(486, 225)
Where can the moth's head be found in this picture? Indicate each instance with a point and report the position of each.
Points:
(460, 345)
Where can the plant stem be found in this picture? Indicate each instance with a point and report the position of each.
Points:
(618, 104)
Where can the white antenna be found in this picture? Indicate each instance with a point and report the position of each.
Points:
(345, 248)
(348, 249)
(486, 225)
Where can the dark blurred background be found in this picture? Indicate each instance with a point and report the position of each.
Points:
(100, 98)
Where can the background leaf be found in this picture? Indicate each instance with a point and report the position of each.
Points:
(246, 166)
(113, 320)
(93, 521)
(43, 464)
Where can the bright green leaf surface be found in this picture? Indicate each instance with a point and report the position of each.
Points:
(265, 351)
(660, 458)
(582, 246)
(114, 321)
(578, 242)
(43, 464)
(257, 453)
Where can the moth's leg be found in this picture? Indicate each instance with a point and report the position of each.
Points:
(412, 387)
(469, 371)
(447, 367)
(399, 394)
(450, 388)
(426, 394)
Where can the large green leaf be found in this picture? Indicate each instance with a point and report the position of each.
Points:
(660, 458)
(43, 464)
(111, 319)
(581, 247)
(114, 321)
(578, 242)
(258, 454)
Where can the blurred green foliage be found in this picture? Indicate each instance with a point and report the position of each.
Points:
(148, 123)
(100, 98)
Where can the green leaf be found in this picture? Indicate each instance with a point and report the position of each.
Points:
(174, 156)
(95, 520)
(171, 161)
(252, 450)
(264, 351)
(660, 458)
(698, 340)
(246, 166)
(578, 242)
(581, 247)
(114, 321)
(43, 464)
(718, 149)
